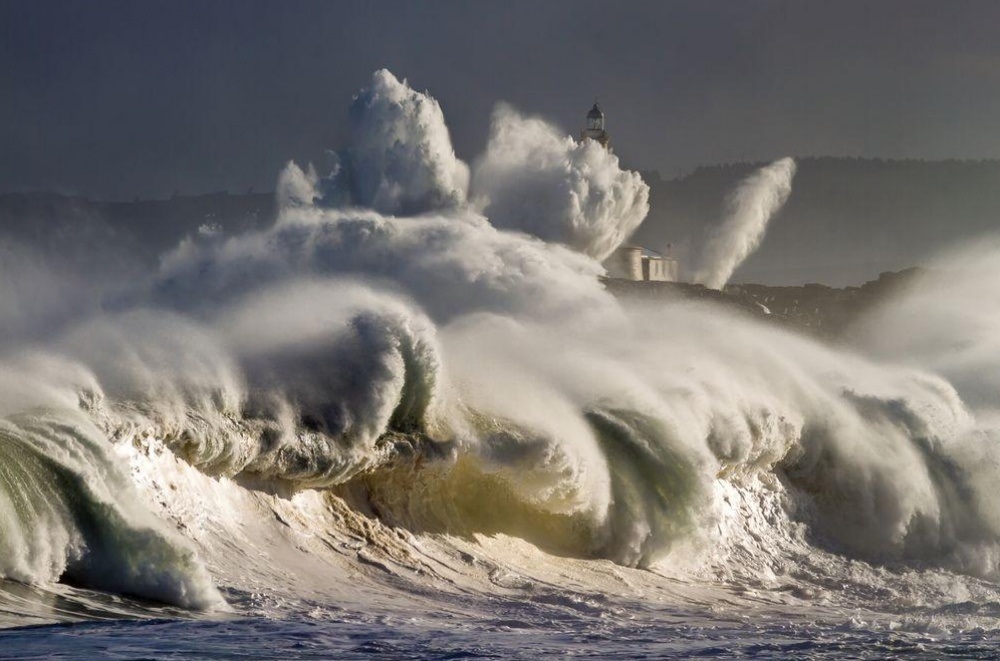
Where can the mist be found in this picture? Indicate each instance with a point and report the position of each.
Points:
(748, 210)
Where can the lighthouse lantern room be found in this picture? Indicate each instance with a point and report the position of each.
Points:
(595, 128)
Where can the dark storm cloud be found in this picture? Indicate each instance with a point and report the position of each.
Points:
(123, 98)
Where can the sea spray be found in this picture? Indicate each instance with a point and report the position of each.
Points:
(534, 179)
(399, 157)
(68, 512)
(748, 209)
(429, 362)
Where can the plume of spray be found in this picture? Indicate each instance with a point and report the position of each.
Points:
(747, 212)
(536, 180)
(445, 254)
(399, 159)
(945, 319)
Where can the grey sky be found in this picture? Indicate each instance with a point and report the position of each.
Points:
(142, 98)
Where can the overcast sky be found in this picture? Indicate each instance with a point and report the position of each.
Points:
(127, 98)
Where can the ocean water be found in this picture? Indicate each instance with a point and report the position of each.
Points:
(408, 421)
(511, 627)
(308, 576)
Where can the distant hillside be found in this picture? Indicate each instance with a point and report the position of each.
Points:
(142, 229)
(846, 221)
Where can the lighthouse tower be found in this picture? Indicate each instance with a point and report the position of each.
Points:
(595, 128)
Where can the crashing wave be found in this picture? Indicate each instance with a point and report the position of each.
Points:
(448, 363)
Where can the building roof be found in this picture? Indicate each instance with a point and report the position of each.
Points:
(595, 113)
(646, 252)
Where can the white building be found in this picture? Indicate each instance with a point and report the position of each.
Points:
(638, 263)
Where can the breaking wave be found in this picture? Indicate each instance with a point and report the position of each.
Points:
(403, 357)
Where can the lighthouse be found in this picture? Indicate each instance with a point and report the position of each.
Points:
(595, 128)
